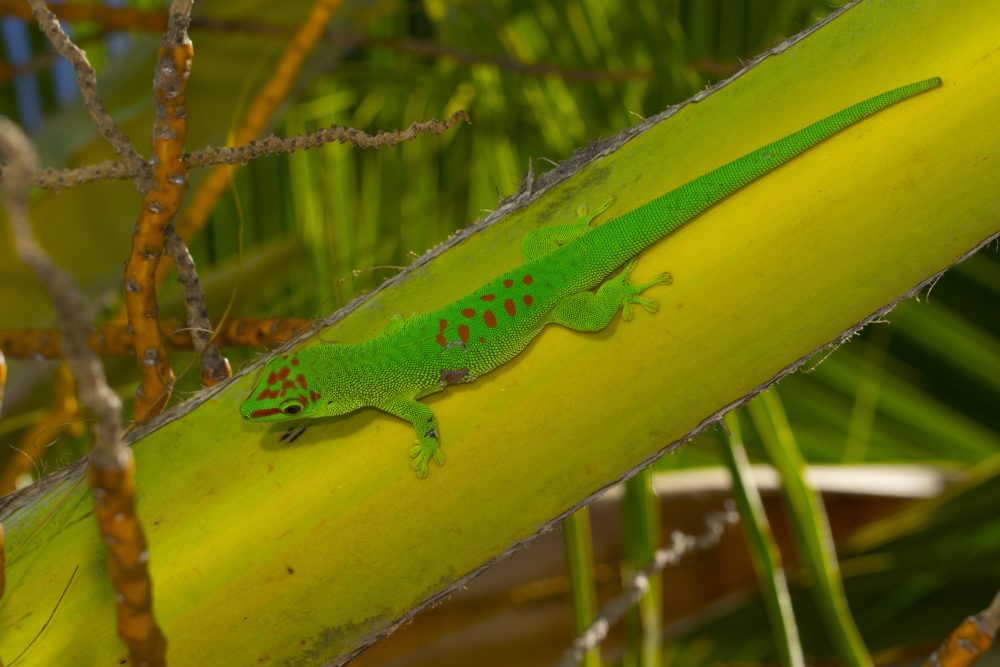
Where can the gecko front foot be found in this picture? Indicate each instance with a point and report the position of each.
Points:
(427, 448)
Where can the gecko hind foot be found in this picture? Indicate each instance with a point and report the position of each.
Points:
(635, 291)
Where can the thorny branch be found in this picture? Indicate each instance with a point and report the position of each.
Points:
(160, 204)
(970, 640)
(214, 367)
(115, 339)
(258, 115)
(86, 78)
(112, 470)
(70, 306)
(60, 179)
(344, 135)
(613, 611)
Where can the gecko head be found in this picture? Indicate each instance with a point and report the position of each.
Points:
(290, 388)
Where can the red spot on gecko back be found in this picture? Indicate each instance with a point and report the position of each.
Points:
(508, 282)
(482, 339)
(267, 393)
(301, 379)
(463, 333)
(490, 319)
(295, 361)
(528, 300)
(314, 396)
(508, 305)
(488, 297)
(526, 279)
(440, 337)
(468, 312)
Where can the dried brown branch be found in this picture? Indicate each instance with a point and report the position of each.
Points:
(159, 206)
(259, 114)
(60, 179)
(115, 339)
(214, 367)
(111, 464)
(970, 640)
(113, 489)
(86, 79)
(70, 306)
(344, 135)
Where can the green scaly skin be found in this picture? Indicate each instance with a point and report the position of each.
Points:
(563, 265)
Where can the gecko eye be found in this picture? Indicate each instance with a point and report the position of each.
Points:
(293, 407)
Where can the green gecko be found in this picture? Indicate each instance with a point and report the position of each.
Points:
(423, 354)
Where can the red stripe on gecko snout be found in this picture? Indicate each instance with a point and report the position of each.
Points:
(508, 305)
(257, 414)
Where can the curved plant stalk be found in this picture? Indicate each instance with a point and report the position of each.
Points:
(313, 550)
(810, 527)
(641, 536)
(580, 564)
(763, 549)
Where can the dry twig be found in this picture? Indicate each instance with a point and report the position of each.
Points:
(259, 114)
(967, 644)
(615, 610)
(60, 179)
(214, 367)
(115, 339)
(86, 79)
(112, 470)
(159, 206)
